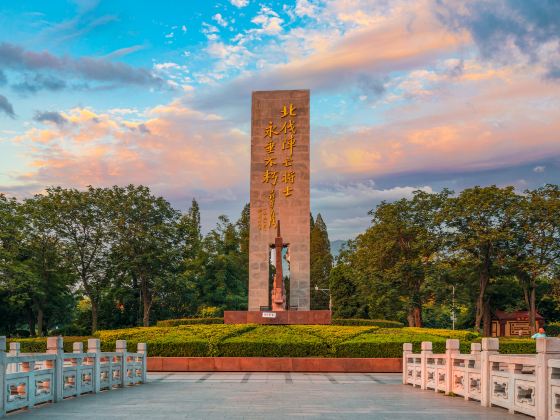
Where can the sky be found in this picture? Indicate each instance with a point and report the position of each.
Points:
(405, 95)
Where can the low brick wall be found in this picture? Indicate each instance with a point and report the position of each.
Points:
(273, 364)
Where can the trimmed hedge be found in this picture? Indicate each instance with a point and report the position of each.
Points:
(39, 345)
(281, 340)
(274, 341)
(381, 323)
(189, 321)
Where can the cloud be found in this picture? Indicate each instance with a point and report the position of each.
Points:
(346, 205)
(509, 30)
(239, 3)
(269, 21)
(219, 20)
(3, 79)
(121, 52)
(6, 107)
(89, 68)
(539, 169)
(338, 62)
(50, 116)
(475, 125)
(176, 150)
(305, 8)
(37, 82)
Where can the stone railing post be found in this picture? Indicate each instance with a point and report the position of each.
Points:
(547, 348)
(78, 347)
(142, 348)
(94, 346)
(451, 349)
(490, 347)
(55, 346)
(425, 353)
(15, 350)
(121, 348)
(2, 376)
(475, 349)
(407, 351)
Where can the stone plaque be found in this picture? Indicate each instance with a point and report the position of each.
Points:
(279, 191)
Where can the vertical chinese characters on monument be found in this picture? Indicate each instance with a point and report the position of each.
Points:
(278, 166)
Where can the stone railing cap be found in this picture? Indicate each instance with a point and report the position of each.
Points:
(426, 345)
(490, 344)
(452, 344)
(407, 346)
(55, 343)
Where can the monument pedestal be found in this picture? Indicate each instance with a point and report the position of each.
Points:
(321, 317)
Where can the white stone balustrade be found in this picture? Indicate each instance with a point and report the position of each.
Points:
(28, 379)
(521, 383)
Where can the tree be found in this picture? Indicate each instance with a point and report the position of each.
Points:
(48, 283)
(480, 221)
(537, 246)
(321, 264)
(396, 254)
(14, 300)
(82, 222)
(147, 241)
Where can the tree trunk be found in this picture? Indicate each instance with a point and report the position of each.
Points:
(417, 316)
(483, 282)
(94, 312)
(487, 320)
(146, 301)
(533, 308)
(410, 319)
(31, 322)
(40, 316)
(414, 316)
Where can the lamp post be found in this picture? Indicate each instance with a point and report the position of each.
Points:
(328, 292)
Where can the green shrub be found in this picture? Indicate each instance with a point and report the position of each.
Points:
(274, 341)
(381, 323)
(517, 345)
(333, 334)
(39, 344)
(552, 329)
(462, 335)
(280, 340)
(189, 321)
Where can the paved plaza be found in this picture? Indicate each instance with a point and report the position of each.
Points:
(268, 396)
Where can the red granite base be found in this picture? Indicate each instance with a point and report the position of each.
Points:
(273, 364)
(322, 317)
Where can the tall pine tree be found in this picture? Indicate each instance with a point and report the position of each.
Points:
(321, 264)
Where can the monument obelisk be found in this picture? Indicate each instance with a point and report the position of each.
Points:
(279, 191)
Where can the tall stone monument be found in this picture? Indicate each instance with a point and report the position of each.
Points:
(279, 191)
(279, 195)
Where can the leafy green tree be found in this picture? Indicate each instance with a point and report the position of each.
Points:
(347, 293)
(14, 300)
(396, 254)
(480, 221)
(82, 222)
(321, 264)
(48, 282)
(147, 241)
(536, 249)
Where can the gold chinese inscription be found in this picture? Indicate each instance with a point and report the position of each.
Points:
(279, 138)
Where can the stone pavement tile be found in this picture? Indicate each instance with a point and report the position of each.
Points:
(270, 399)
